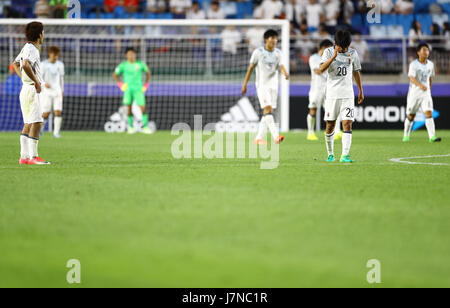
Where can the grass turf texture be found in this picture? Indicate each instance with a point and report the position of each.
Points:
(136, 217)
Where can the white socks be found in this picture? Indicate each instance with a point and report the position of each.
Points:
(262, 129)
(271, 125)
(329, 139)
(408, 127)
(33, 147)
(346, 143)
(430, 127)
(311, 123)
(57, 128)
(24, 147)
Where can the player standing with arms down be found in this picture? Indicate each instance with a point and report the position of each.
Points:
(267, 61)
(421, 73)
(53, 91)
(28, 67)
(318, 88)
(134, 90)
(342, 64)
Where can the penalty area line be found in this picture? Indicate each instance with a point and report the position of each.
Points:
(404, 161)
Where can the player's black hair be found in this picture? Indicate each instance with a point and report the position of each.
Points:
(326, 44)
(33, 31)
(130, 49)
(421, 45)
(270, 33)
(343, 38)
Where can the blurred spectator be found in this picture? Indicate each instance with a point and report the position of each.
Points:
(322, 33)
(346, 10)
(304, 42)
(387, 6)
(156, 6)
(294, 12)
(179, 8)
(271, 9)
(17, 9)
(131, 6)
(446, 32)
(404, 7)
(436, 42)
(230, 40)
(313, 14)
(215, 12)
(254, 38)
(13, 83)
(42, 9)
(331, 13)
(110, 5)
(415, 33)
(195, 12)
(361, 47)
(58, 8)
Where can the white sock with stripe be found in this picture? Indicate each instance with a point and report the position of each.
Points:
(346, 143)
(430, 127)
(24, 146)
(57, 122)
(262, 129)
(329, 140)
(271, 125)
(33, 147)
(311, 121)
(408, 127)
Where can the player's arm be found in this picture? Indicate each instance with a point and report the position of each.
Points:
(357, 76)
(148, 76)
(417, 83)
(16, 66)
(284, 72)
(26, 66)
(250, 69)
(431, 82)
(325, 65)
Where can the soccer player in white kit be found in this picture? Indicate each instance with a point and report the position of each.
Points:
(53, 90)
(28, 67)
(318, 88)
(267, 62)
(342, 64)
(421, 73)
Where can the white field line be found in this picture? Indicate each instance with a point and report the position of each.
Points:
(404, 161)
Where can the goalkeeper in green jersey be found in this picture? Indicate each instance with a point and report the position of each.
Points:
(133, 88)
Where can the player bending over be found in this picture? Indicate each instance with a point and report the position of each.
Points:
(318, 88)
(421, 73)
(342, 64)
(267, 61)
(28, 67)
(53, 91)
(134, 90)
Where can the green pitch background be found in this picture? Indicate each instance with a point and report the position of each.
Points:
(136, 217)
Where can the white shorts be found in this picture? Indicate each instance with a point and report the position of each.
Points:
(30, 105)
(267, 97)
(50, 102)
(316, 99)
(343, 106)
(415, 103)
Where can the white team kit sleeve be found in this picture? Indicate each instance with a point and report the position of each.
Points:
(356, 62)
(255, 57)
(433, 73)
(326, 55)
(412, 70)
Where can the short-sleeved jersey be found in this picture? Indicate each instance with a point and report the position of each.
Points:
(53, 74)
(318, 82)
(30, 53)
(423, 73)
(132, 73)
(267, 66)
(340, 73)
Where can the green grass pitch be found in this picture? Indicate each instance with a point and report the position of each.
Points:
(136, 217)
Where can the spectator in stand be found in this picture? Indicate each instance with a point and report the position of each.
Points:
(322, 34)
(156, 6)
(16, 9)
(304, 42)
(179, 8)
(195, 12)
(361, 47)
(13, 83)
(415, 34)
(294, 12)
(387, 6)
(215, 12)
(331, 13)
(110, 5)
(58, 8)
(42, 9)
(254, 38)
(435, 41)
(131, 6)
(314, 12)
(271, 9)
(230, 40)
(346, 10)
(446, 31)
(404, 7)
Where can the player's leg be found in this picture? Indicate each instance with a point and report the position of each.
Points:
(427, 107)
(270, 103)
(128, 101)
(46, 106)
(412, 106)
(311, 118)
(139, 99)
(348, 116)
(24, 153)
(35, 120)
(337, 129)
(267, 108)
(332, 109)
(57, 107)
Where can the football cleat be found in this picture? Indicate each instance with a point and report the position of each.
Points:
(406, 139)
(338, 136)
(346, 159)
(131, 130)
(331, 158)
(23, 161)
(260, 142)
(147, 131)
(38, 161)
(279, 139)
(435, 139)
(57, 136)
(312, 137)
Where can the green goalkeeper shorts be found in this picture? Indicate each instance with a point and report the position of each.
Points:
(131, 95)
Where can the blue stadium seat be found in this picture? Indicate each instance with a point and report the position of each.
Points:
(119, 12)
(422, 6)
(106, 15)
(405, 21)
(446, 7)
(164, 16)
(426, 22)
(378, 30)
(357, 21)
(395, 31)
(389, 19)
(245, 9)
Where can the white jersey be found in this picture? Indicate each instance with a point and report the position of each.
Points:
(340, 73)
(267, 67)
(318, 82)
(423, 73)
(30, 53)
(53, 75)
